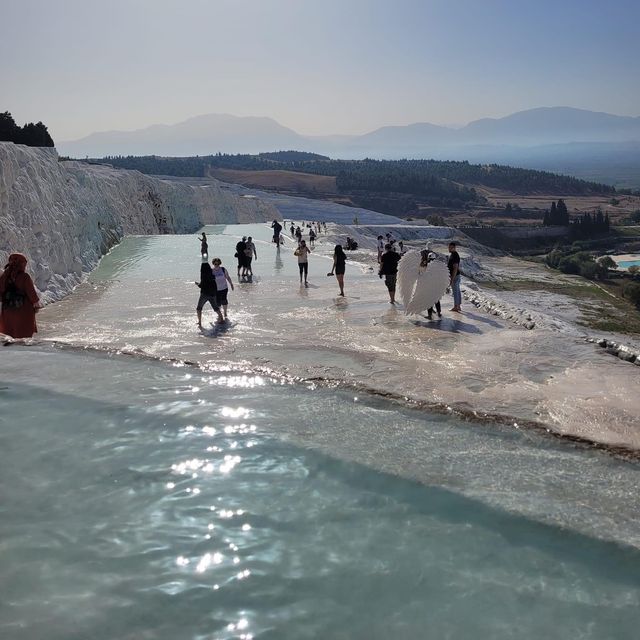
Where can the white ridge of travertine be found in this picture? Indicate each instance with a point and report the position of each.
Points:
(65, 215)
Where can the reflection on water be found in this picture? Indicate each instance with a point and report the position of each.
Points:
(228, 506)
(129, 255)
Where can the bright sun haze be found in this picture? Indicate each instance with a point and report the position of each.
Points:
(339, 66)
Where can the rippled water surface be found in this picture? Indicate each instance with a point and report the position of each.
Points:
(144, 500)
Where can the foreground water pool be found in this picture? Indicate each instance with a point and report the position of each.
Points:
(145, 500)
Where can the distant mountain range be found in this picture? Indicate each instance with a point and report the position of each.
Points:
(545, 138)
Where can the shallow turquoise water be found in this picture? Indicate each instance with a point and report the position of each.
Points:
(629, 263)
(143, 500)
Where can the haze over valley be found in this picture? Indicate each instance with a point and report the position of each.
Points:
(562, 139)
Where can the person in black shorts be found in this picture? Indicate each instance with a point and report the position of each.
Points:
(208, 291)
(389, 269)
(302, 253)
(339, 266)
(223, 281)
(249, 254)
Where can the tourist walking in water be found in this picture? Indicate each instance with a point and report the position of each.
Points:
(223, 280)
(208, 291)
(339, 266)
(277, 229)
(293, 230)
(299, 234)
(20, 301)
(454, 274)
(204, 247)
(389, 269)
(240, 248)
(249, 254)
(303, 260)
(312, 238)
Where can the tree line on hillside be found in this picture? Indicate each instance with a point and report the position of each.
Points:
(582, 226)
(33, 135)
(557, 215)
(388, 177)
(435, 178)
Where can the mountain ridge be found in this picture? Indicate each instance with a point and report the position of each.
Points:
(485, 139)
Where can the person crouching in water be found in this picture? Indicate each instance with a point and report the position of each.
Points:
(339, 266)
(223, 280)
(20, 301)
(208, 293)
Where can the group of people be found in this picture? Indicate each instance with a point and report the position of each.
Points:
(391, 241)
(245, 253)
(20, 300)
(388, 270)
(214, 286)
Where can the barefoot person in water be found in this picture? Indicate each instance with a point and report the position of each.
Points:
(454, 275)
(389, 269)
(223, 280)
(339, 266)
(303, 260)
(208, 292)
(204, 247)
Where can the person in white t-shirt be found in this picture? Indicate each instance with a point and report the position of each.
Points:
(222, 281)
(303, 252)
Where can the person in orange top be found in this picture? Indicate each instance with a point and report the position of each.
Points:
(20, 301)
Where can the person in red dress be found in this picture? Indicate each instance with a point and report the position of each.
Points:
(20, 301)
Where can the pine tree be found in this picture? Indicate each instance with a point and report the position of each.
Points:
(9, 130)
(563, 213)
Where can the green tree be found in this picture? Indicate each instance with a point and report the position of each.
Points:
(607, 262)
(631, 291)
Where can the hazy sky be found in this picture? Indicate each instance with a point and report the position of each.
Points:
(318, 66)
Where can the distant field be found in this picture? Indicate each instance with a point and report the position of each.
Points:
(278, 180)
(575, 204)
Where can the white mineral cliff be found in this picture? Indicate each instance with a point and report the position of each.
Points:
(64, 215)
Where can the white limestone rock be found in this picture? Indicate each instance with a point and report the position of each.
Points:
(64, 215)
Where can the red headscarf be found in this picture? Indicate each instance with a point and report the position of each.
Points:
(17, 264)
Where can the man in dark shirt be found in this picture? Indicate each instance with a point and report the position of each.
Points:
(454, 276)
(277, 228)
(389, 269)
(208, 290)
(240, 249)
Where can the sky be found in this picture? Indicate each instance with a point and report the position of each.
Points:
(317, 66)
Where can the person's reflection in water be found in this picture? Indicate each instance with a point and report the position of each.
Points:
(279, 264)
